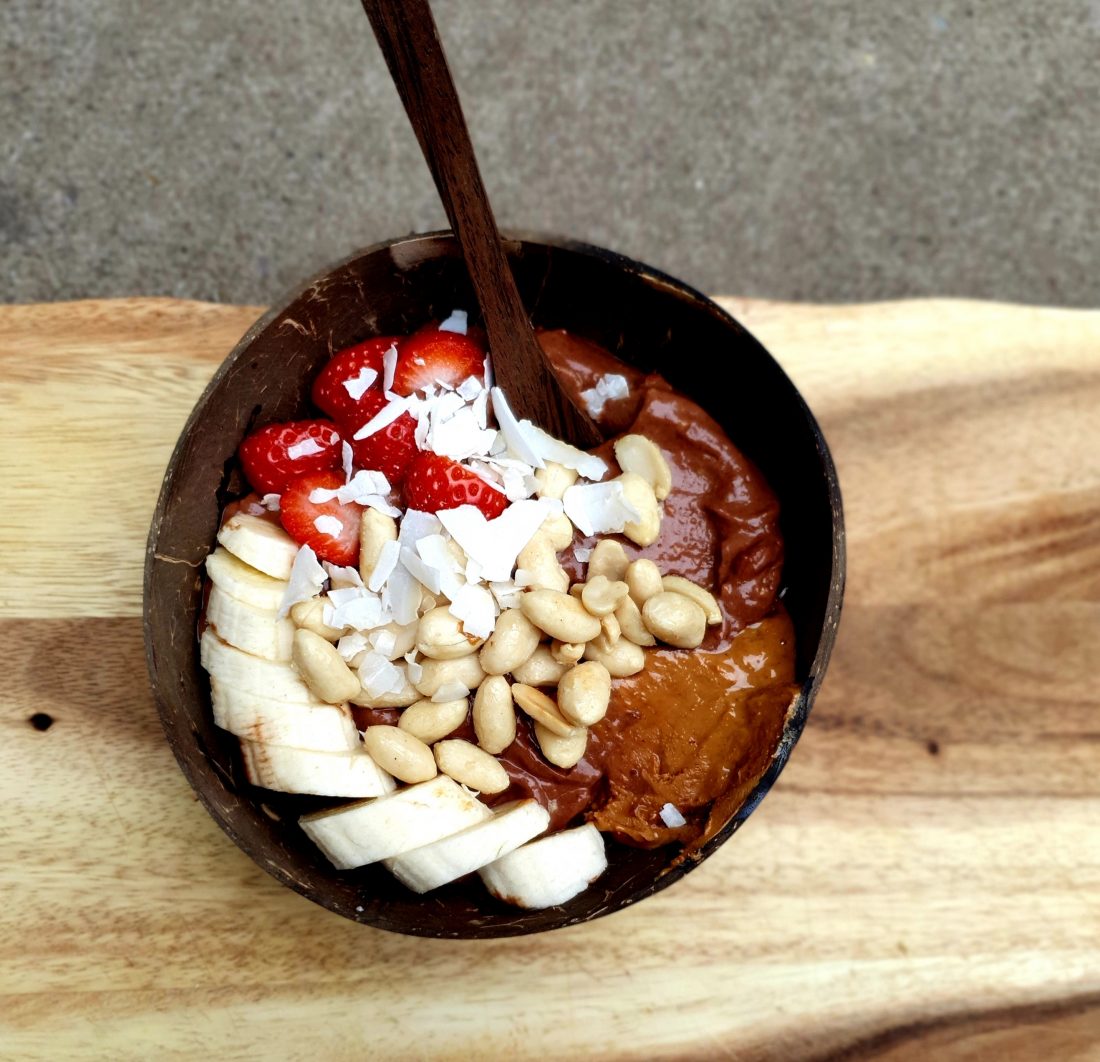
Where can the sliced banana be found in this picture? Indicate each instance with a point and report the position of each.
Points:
(253, 717)
(259, 543)
(549, 871)
(244, 582)
(462, 853)
(293, 770)
(253, 630)
(271, 679)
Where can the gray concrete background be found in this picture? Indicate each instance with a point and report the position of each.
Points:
(828, 150)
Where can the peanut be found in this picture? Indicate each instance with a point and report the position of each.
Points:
(440, 636)
(540, 561)
(558, 529)
(566, 652)
(437, 673)
(608, 559)
(676, 584)
(494, 715)
(471, 766)
(554, 480)
(636, 453)
(322, 668)
(513, 640)
(643, 577)
(564, 752)
(675, 620)
(540, 669)
(429, 721)
(309, 615)
(584, 693)
(375, 530)
(610, 631)
(647, 528)
(630, 623)
(600, 595)
(541, 708)
(405, 757)
(559, 615)
(621, 660)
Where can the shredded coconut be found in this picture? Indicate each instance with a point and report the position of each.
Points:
(359, 386)
(608, 387)
(306, 448)
(671, 817)
(599, 508)
(306, 579)
(455, 323)
(329, 525)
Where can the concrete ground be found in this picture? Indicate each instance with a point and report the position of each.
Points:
(827, 150)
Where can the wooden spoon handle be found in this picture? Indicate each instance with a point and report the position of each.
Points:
(410, 44)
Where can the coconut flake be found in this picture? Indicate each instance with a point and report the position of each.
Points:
(306, 448)
(359, 386)
(354, 607)
(476, 608)
(599, 508)
(609, 387)
(588, 466)
(386, 416)
(455, 323)
(582, 554)
(671, 817)
(387, 560)
(471, 389)
(383, 641)
(379, 676)
(423, 573)
(450, 691)
(506, 592)
(270, 502)
(351, 645)
(495, 544)
(389, 367)
(329, 525)
(306, 579)
(515, 431)
(342, 578)
(346, 458)
(413, 668)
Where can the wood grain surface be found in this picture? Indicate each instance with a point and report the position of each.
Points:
(922, 883)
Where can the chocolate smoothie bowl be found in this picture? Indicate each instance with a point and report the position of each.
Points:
(692, 564)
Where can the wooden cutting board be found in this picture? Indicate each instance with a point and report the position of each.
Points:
(923, 882)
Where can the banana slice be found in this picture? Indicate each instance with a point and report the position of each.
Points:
(259, 543)
(252, 716)
(549, 871)
(462, 853)
(244, 582)
(292, 770)
(366, 832)
(270, 679)
(252, 630)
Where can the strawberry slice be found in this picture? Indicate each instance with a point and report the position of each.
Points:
(388, 451)
(331, 528)
(434, 482)
(344, 370)
(432, 357)
(274, 455)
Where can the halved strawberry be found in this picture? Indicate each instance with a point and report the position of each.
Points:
(344, 370)
(434, 482)
(331, 528)
(388, 451)
(431, 357)
(274, 455)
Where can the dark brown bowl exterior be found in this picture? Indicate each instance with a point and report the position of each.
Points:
(647, 319)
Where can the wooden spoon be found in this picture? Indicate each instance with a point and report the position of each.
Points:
(410, 43)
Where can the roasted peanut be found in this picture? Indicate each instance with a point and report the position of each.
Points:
(513, 640)
(541, 708)
(564, 752)
(430, 720)
(494, 715)
(621, 660)
(559, 615)
(322, 668)
(406, 757)
(566, 652)
(375, 530)
(643, 577)
(647, 528)
(540, 561)
(608, 559)
(440, 636)
(576, 590)
(435, 674)
(309, 616)
(675, 620)
(630, 623)
(404, 639)
(584, 693)
(600, 595)
(540, 669)
(636, 453)
(610, 631)
(676, 584)
(471, 766)
(558, 529)
(554, 480)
